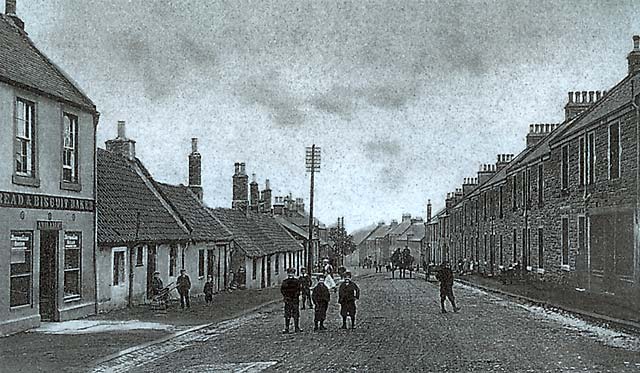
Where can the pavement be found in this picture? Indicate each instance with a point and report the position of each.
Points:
(400, 328)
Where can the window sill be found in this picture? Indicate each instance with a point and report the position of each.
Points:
(75, 187)
(72, 298)
(21, 307)
(26, 180)
(565, 267)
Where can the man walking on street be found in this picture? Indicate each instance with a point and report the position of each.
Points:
(305, 287)
(445, 276)
(321, 298)
(183, 283)
(290, 290)
(347, 296)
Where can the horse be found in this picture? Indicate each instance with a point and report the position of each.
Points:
(403, 261)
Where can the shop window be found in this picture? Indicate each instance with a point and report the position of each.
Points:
(72, 264)
(119, 269)
(21, 268)
(70, 148)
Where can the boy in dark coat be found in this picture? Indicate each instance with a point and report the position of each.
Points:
(347, 296)
(183, 283)
(156, 284)
(208, 290)
(305, 288)
(445, 276)
(321, 298)
(290, 290)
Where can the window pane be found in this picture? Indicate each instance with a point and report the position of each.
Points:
(20, 291)
(71, 283)
(20, 285)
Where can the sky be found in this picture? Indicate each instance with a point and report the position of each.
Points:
(405, 98)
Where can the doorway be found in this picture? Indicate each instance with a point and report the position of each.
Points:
(48, 275)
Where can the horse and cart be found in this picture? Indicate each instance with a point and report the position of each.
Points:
(402, 260)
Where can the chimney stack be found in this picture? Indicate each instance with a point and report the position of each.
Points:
(10, 9)
(121, 144)
(579, 102)
(485, 173)
(634, 56)
(538, 132)
(406, 217)
(266, 197)
(195, 169)
(240, 188)
(503, 161)
(468, 185)
(254, 194)
(428, 210)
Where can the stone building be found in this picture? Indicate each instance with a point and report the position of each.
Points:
(47, 187)
(566, 207)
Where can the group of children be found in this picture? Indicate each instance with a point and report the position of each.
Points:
(292, 288)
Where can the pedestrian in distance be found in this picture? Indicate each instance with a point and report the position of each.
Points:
(208, 290)
(347, 296)
(445, 276)
(321, 298)
(183, 283)
(305, 288)
(290, 290)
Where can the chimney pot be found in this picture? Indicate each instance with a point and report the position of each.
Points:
(591, 93)
(122, 129)
(10, 8)
(570, 97)
(531, 128)
(267, 185)
(584, 97)
(636, 42)
(194, 145)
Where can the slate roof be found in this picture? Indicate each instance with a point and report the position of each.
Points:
(401, 227)
(203, 225)
(298, 230)
(417, 231)
(256, 234)
(618, 96)
(362, 234)
(380, 232)
(121, 195)
(22, 64)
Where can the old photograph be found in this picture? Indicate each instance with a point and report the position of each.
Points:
(319, 186)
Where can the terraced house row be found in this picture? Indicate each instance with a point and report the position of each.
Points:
(566, 207)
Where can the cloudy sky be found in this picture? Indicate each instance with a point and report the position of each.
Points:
(405, 98)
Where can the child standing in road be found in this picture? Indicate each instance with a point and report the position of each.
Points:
(208, 290)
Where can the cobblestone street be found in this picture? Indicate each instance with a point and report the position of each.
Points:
(400, 328)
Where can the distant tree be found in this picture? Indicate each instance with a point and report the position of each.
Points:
(343, 243)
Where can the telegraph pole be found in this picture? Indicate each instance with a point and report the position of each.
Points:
(313, 166)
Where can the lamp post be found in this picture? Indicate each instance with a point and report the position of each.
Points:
(312, 161)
